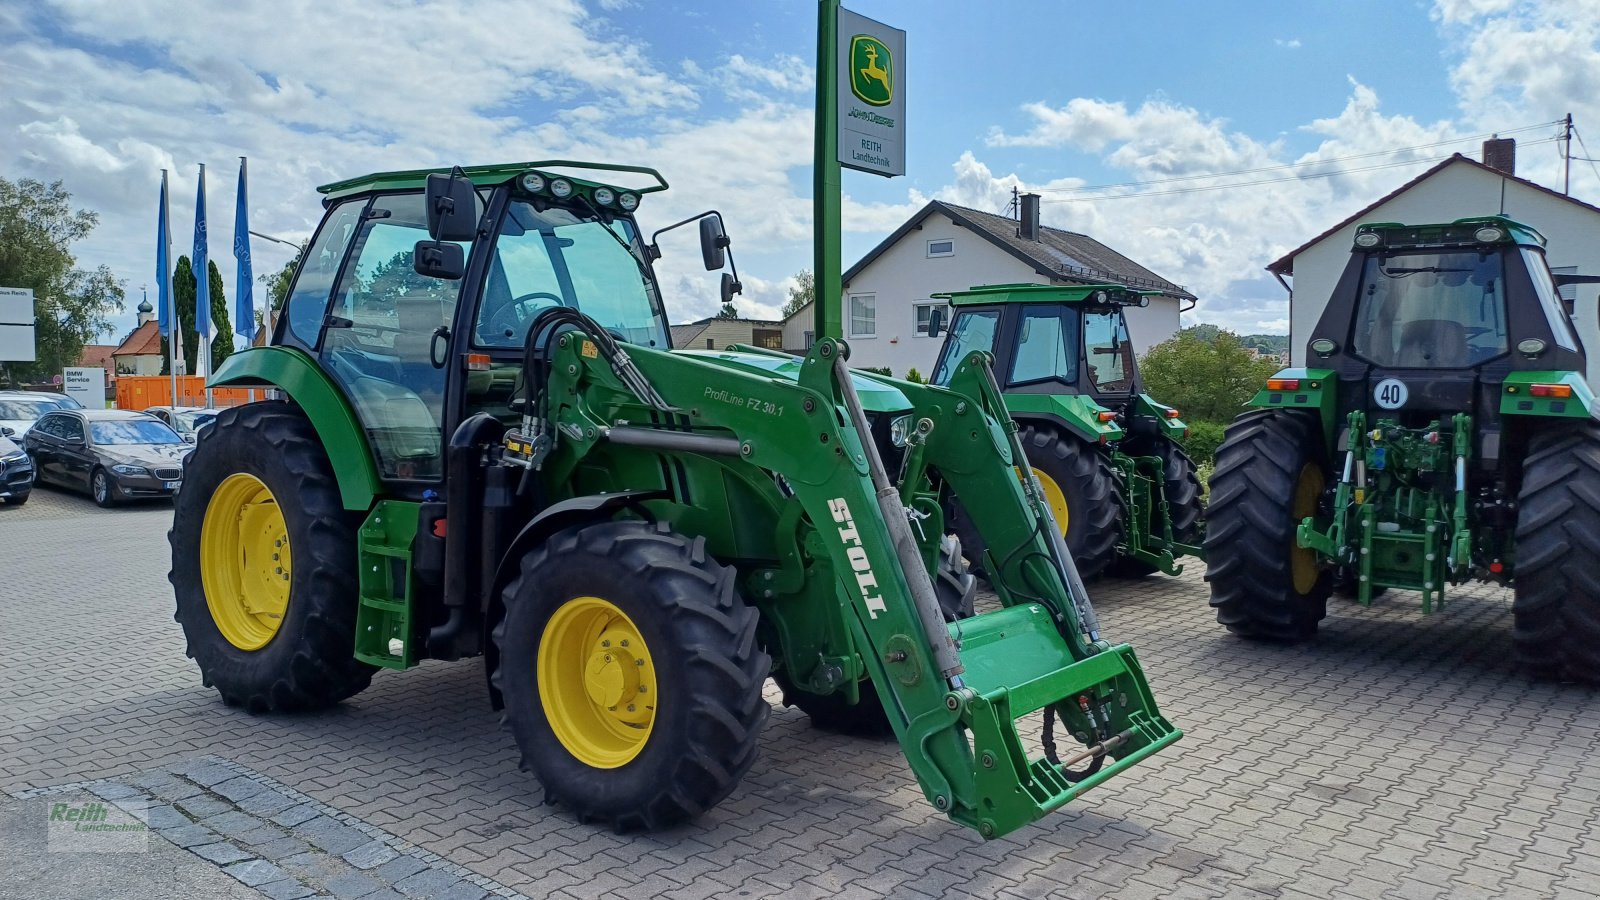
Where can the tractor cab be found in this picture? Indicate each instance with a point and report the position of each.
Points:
(1436, 319)
(418, 290)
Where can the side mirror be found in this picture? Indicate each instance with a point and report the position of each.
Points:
(452, 207)
(437, 259)
(713, 243)
(188, 439)
(730, 286)
(935, 322)
(7, 431)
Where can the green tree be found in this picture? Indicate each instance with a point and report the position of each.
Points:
(278, 282)
(38, 227)
(801, 293)
(727, 312)
(183, 296)
(1209, 375)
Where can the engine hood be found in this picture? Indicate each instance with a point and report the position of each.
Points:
(145, 454)
(876, 395)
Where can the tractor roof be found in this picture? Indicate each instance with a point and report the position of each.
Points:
(483, 176)
(1461, 231)
(1046, 293)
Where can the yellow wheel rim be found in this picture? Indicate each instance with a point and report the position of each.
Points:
(244, 561)
(1303, 561)
(597, 682)
(1054, 497)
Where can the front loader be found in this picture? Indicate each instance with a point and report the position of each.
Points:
(1107, 454)
(1444, 433)
(483, 444)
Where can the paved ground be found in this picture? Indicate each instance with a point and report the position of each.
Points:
(1395, 757)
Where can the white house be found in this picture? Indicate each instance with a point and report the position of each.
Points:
(944, 247)
(1454, 189)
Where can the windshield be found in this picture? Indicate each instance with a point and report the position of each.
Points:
(1108, 350)
(557, 257)
(27, 410)
(133, 431)
(1435, 310)
(970, 331)
(189, 421)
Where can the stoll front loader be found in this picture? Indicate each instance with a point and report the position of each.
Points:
(1106, 453)
(484, 445)
(1444, 433)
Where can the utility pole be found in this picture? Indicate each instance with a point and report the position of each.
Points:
(1566, 154)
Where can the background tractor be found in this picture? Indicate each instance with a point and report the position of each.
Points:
(1445, 433)
(484, 445)
(1107, 454)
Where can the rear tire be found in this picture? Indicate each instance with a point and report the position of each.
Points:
(308, 661)
(1556, 611)
(693, 733)
(1270, 474)
(1096, 512)
(1181, 483)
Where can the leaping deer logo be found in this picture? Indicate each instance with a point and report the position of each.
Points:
(872, 70)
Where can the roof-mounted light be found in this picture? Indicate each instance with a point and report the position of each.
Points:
(533, 182)
(1098, 296)
(605, 196)
(1490, 234)
(1368, 239)
(560, 188)
(628, 202)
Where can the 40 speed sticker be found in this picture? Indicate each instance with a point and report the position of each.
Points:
(1390, 393)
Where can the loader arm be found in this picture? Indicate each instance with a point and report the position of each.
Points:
(952, 693)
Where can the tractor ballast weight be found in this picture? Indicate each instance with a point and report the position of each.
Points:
(633, 536)
(1106, 452)
(1444, 433)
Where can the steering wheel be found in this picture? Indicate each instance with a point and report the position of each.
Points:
(508, 319)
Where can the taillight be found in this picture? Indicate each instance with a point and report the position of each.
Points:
(1106, 416)
(1172, 414)
(1283, 384)
(1551, 390)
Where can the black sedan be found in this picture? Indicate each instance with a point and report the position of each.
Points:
(16, 470)
(114, 454)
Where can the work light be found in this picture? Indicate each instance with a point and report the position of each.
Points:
(561, 188)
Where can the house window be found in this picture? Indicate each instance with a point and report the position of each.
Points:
(810, 338)
(767, 338)
(710, 345)
(924, 312)
(863, 315)
(941, 247)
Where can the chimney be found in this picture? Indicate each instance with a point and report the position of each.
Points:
(1030, 217)
(1501, 153)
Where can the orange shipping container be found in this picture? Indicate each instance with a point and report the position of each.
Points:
(145, 391)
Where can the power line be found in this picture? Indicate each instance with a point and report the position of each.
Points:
(1295, 177)
(1300, 165)
(1585, 157)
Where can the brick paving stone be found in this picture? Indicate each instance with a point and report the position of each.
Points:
(254, 872)
(286, 889)
(351, 886)
(221, 853)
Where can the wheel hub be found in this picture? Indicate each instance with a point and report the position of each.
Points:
(245, 561)
(597, 682)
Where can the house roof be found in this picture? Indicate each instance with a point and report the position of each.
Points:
(97, 356)
(1284, 265)
(1059, 254)
(144, 341)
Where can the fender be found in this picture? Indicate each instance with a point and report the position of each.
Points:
(560, 516)
(297, 374)
(1075, 413)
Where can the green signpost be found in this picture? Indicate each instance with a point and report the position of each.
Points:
(860, 125)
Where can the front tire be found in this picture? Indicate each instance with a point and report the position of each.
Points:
(631, 674)
(1270, 475)
(1556, 610)
(264, 564)
(102, 489)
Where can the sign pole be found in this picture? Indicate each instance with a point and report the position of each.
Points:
(827, 185)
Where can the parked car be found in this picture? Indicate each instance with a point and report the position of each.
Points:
(20, 409)
(185, 420)
(16, 470)
(114, 454)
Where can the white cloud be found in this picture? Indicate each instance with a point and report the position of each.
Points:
(1287, 43)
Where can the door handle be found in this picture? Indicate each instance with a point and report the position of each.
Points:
(433, 346)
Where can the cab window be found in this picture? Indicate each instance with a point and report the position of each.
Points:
(1107, 350)
(318, 270)
(1431, 310)
(972, 330)
(1046, 345)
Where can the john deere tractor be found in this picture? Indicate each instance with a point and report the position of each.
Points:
(483, 444)
(1107, 455)
(1443, 433)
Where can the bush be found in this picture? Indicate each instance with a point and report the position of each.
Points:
(1207, 379)
(879, 370)
(1203, 440)
(915, 377)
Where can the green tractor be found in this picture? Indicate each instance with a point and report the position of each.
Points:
(1107, 454)
(483, 444)
(1444, 433)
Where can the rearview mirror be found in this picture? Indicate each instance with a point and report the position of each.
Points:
(437, 259)
(730, 286)
(452, 207)
(935, 323)
(713, 243)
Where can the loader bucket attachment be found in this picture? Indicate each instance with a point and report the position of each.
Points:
(1016, 665)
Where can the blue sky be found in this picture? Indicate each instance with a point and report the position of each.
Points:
(1046, 96)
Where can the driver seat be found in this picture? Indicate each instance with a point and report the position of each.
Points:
(1433, 343)
(417, 315)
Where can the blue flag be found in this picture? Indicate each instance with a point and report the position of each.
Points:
(202, 281)
(244, 300)
(163, 264)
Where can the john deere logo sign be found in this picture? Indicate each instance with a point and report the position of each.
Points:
(871, 70)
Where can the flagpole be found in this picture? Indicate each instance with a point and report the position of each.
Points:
(244, 166)
(174, 335)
